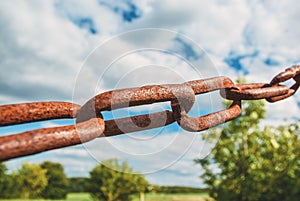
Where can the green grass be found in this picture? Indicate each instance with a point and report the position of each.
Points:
(174, 197)
(70, 197)
(148, 197)
(79, 197)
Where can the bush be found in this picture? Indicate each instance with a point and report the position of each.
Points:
(57, 187)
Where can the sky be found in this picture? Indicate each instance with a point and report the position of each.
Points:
(72, 50)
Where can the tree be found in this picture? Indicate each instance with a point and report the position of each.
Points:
(31, 180)
(250, 163)
(115, 184)
(57, 181)
(78, 184)
(7, 184)
(3, 181)
(2, 176)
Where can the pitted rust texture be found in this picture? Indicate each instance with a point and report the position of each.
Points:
(211, 84)
(210, 120)
(136, 96)
(182, 93)
(254, 91)
(121, 98)
(181, 96)
(40, 140)
(31, 112)
(138, 123)
(292, 72)
(289, 73)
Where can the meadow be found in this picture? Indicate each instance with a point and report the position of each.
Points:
(148, 197)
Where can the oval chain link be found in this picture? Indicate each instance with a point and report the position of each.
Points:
(292, 72)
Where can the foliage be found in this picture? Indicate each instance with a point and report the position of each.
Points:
(177, 189)
(2, 170)
(57, 181)
(31, 180)
(250, 163)
(78, 184)
(115, 181)
(7, 184)
(2, 177)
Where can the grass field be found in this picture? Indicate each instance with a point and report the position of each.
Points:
(148, 197)
(175, 197)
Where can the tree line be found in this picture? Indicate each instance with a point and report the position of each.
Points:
(45, 180)
(111, 180)
(81, 184)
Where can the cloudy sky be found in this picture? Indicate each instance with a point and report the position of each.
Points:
(72, 50)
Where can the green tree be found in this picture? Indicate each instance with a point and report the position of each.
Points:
(7, 184)
(57, 181)
(115, 181)
(3, 181)
(2, 176)
(31, 180)
(253, 163)
(78, 184)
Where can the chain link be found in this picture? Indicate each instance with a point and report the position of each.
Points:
(90, 123)
(210, 120)
(289, 73)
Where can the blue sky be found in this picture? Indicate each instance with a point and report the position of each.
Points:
(61, 50)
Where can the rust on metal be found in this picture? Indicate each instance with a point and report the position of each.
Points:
(36, 141)
(211, 84)
(207, 121)
(138, 123)
(182, 93)
(135, 96)
(291, 91)
(210, 120)
(254, 91)
(90, 123)
(286, 75)
(31, 112)
(292, 72)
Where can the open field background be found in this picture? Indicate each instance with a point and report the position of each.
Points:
(148, 197)
(175, 197)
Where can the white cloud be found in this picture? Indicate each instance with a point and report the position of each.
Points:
(284, 109)
(40, 53)
(214, 26)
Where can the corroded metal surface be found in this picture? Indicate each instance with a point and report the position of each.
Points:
(210, 120)
(211, 84)
(90, 123)
(136, 96)
(254, 91)
(138, 123)
(133, 97)
(31, 112)
(36, 141)
(289, 73)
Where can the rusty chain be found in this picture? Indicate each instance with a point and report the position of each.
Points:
(90, 123)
